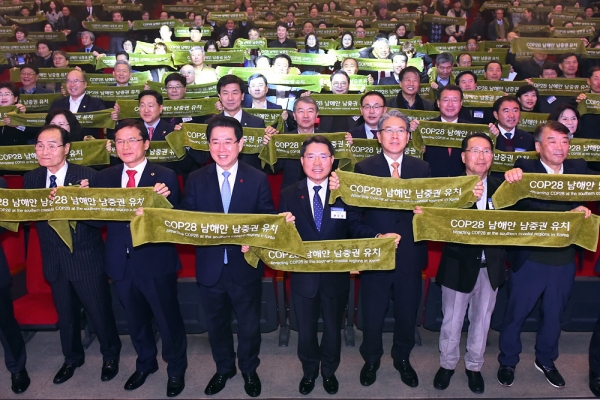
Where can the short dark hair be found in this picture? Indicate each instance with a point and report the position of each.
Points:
(123, 53)
(559, 109)
(595, 68)
(10, 86)
(224, 122)
(465, 142)
(501, 100)
(74, 125)
(229, 79)
(463, 73)
(64, 134)
(257, 76)
(153, 93)
(43, 41)
(485, 68)
(31, 67)
(528, 88)
(316, 139)
(373, 93)
(133, 123)
(450, 88)
(550, 65)
(283, 55)
(281, 24)
(339, 72)
(21, 29)
(463, 54)
(553, 125)
(176, 77)
(408, 69)
(564, 56)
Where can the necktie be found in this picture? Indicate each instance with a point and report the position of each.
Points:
(226, 199)
(52, 181)
(150, 132)
(131, 174)
(317, 208)
(508, 135)
(87, 50)
(90, 10)
(395, 173)
(449, 151)
(374, 132)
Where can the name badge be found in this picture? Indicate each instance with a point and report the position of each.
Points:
(551, 99)
(186, 119)
(478, 114)
(519, 149)
(338, 213)
(490, 204)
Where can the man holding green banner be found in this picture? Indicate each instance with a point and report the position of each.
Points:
(540, 272)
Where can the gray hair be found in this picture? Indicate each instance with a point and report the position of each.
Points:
(390, 114)
(306, 100)
(444, 58)
(199, 48)
(123, 62)
(90, 34)
(381, 40)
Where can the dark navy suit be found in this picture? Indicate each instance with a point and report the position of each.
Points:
(250, 121)
(146, 279)
(316, 293)
(88, 104)
(521, 140)
(404, 282)
(15, 356)
(77, 278)
(443, 164)
(360, 133)
(236, 286)
(247, 103)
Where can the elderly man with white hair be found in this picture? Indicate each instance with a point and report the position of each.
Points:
(204, 73)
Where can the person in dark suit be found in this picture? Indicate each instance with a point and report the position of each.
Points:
(69, 25)
(11, 135)
(403, 284)
(527, 68)
(230, 30)
(89, 12)
(15, 356)
(146, 276)
(537, 271)
(316, 294)
(227, 282)
(507, 112)
(76, 278)
(87, 40)
(339, 84)
(29, 77)
(282, 40)
(399, 61)
(78, 101)
(408, 96)
(588, 126)
(470, 276)
(372, 107)
(594, 353)
(257, 90)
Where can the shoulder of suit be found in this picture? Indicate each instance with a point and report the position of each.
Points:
(82, 169)
(414, 161)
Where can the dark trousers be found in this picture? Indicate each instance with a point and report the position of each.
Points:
(147, 298)
(376, 291)
(532, 281)
(15, 356)
(595, 349)
(94, 295)
(327, 355)
(218, 302)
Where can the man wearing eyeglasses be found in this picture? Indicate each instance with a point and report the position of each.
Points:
(76, 278)
(78, 101)
(340, 84)
(257, 89)
(470, 276)
(372, 107)
(29, 79)
(146, 276)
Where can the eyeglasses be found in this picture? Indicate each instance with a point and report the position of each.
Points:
(369, 107)
(313, 157)
(7, 95)
(174, 87)
(477, 152)
(74, 81)
(50, 147)
(28, 74)
(339, 84)
(130, 142)
(227, 143)
(390, 131)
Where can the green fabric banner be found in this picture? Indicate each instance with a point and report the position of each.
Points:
(529, 120)
(308, 82)
(595, 22)
(7, 31)
(437, 48)
(539, 29)
(172, 108)
(137, 60)
(137, 78)
(38, 102)
(14, 47)
(160, 152)
(446, 134)
(225, 16)
(480, 98)
(95, 119)
(114, 93)
(494, 5)
(404, 194)
(312, 59)
(510, 87)
(574, 32)
(558, 187)
(374, 64)
(250, 44)
(331, 256)
(82, 58)
(182, 46)
(505, 160)
(184, 31)
(507, 228)
(591, 104)
(338, 104)
(263, 231)
(34, 19)
(220, 57)
(50, 36)
(273, 51)
(476, 69)
(4, 111)
(106, 26)
(143, 48)
(288, 146)
(561, 87)
(191, 91)
(121, 7)
(482, 57)
(182, 8)
(547, 46)
(343, 54)
(588, 149)
(14, 8)
(421, 115)
(271, 117)
(592, 53)
(47, 75)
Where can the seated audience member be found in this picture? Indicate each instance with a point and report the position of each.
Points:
(66, 120)
(408, 97)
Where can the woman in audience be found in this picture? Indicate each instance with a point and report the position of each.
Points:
(528, 98)
(567, 115)
(311, 46)
(224, 42)
(347, 41)
(66, 120)
(53, 14)
(11, 135)
(402, 33)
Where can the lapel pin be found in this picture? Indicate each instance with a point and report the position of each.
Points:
(241, 181)
(301, 197)
(151, 173)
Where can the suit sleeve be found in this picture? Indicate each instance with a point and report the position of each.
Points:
(98, 105)
(265, 199)
(189, 195)
(173, 184)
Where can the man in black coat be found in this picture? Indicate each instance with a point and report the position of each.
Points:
(29, 78)
(340, 84)
(538, 271)
(15, 356)
(507, 112)
(372, 107)
(408, 96)
(282, 39)
(316, 294)
(76, 278)
(470, 276)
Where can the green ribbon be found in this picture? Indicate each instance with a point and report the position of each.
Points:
(114, 93)
(137, 78)
(331, 256)
(225, 16)
(106, 26)
(250, 44)
(288, 146)
(561, 87)
(591, 104)
(50, 36)
(172, 108)
(510, 87)
(547, 46)
(209, 229)
(34, 19)
(505, 160)
(556, 187)
(529, 120)
(404, 194)
(191, 91)
(312, 59)
(507, 228)
(338, 104)
(219, 57)
(588, 149)
(38, 102)
(446, 134)
(14, 47)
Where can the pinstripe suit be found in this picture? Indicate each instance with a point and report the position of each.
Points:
(77, 277)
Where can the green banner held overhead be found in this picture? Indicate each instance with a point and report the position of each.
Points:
(122, 7)
(574, 32)
(547, 46)
(46, 75)
(505, 160)
(17, 47)
(184, 31)
(226, 16)
(530, 120)
(590, 105)
(106, 26)
(137, 78)
(446, 134)
(220, 57)
(82, 58)
(312, 59)
(480, 98)
(561, 87)
(510, 87)
(50, 36)
(34, 19)
(338, 104)
(38, 102)
(588, 149)
(172, 108)
(250, 44)
(114, 93)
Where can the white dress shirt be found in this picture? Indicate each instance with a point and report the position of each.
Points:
(322, 192)
(237, 115)
(233, 171)
(74, 104)
(60, 176)
(138, 168)
(551, 171)
(390, 161)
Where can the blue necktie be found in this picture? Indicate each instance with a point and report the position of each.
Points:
(317, 208)
(508, 135)
(52, 181)
(226, 199)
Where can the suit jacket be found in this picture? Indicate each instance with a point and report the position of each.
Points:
(88, 104)
(409, 255)
(460, 263)
(443, 164)
(251, 195)
(388, 80)
(420, 103)
(521, 140)
(5, 276)
(38, 90)
(87, 259)
(72, 24)
(148, 261)
(330, 123)
(162, 129)
(360, 133)
(296, 200)
(247, 103)
(250, 121)
(94, 48)
(518, 255)
(525, 69)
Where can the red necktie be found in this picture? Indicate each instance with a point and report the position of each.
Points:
(131, 173)
(150, 132)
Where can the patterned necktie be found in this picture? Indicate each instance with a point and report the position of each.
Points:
(395, 173)
(150, 132)
(131, 174)
(226, 199)
(52, 181)
(317, 208)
